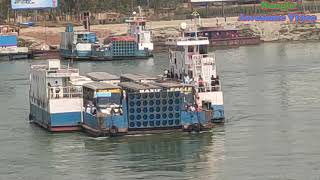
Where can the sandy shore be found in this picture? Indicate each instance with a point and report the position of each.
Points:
(269, 31)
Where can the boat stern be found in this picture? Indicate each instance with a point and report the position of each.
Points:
(213, 101)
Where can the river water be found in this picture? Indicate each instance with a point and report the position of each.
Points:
(272, 130)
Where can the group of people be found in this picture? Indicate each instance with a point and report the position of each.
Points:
(214, 85)
(56, 89)
(214, 81)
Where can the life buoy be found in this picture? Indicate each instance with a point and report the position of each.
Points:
(113, 130)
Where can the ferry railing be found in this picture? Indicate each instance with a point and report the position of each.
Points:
(62, 72)
(203, 56)
(207, 88)
(65, 92)
(197, 59)
(172, 40)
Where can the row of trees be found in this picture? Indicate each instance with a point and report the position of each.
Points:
(74, 7)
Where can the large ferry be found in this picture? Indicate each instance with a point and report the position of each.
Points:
(55, 104)
(187, 98)
(85, 45)
(141, 104)
(191, 63)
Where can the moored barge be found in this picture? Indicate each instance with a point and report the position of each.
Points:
(225, 37)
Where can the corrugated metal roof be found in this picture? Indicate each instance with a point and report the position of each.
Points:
(138, 86)
(171, 84)
(137, 77)
(102, 76)
(100, 86)
(122, 38)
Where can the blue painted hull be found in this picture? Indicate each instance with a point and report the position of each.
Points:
(67, 121)
(92, 125)
(89, 55)
(218, 113)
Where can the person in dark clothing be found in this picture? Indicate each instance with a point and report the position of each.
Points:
(57, 90)
(201, 84)
(51, 90)
(168, 74)
(217, 83)
(213, 83)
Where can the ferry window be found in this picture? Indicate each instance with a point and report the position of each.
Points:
(114, 99)
(190, 49)
(179, 48)
(203, 49)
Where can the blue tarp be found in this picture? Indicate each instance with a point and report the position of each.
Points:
(8, 40)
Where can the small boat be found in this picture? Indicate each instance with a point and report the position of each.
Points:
(26, 24)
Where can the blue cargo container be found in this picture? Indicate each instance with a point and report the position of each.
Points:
(8, 40)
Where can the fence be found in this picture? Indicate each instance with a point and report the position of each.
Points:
(65, 92)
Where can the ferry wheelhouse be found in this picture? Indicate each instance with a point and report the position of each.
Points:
(77, 44)
(138, 29)
(190, 62)
(55, 103)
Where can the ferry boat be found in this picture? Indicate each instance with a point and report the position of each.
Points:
(85, 45)
(187, 98)
(222, 37)
(190, 62)
(141, 104)
(9, 45)
(55, 103)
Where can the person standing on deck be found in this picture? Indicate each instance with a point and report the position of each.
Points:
(197, 105)
(186, 79)
(217, 83)
(213, 83)
(57, 89)
(50, 90)
(201, 84)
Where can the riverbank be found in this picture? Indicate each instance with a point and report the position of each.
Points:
(268, 31)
